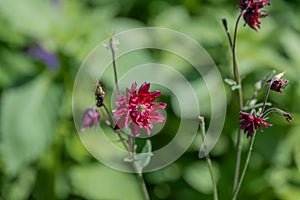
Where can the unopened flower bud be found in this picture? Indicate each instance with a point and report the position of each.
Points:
(90, 118)
(288, 117)
(278, 84)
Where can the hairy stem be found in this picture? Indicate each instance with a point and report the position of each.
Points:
(113, 54)
(208, 160)
(240, 97)
(131, 140)
(112, 126)
(137, 168)
(267, 95)
(142, 183)
(240, 94)
(236, 191)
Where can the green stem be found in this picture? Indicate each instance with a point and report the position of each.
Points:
(143, 184)
(112, 48)
(236, 191)
(208, 160)
(137, 168)
(267, 95)
(240, 97)
(238, 159)
(131, 139)
(112, 126)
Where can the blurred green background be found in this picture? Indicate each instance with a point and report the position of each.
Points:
(43, 43)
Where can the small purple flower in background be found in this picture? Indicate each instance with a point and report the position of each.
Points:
(90, 118)
(138, 110)
(251, 13)
(250, 123)
(39, 54)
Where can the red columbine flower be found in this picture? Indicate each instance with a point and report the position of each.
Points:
(137, 109)
(250, 123)
(251, 13)
(90, 118)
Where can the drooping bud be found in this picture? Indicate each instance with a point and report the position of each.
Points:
(278, 84)
(288, 117)
(90, 118)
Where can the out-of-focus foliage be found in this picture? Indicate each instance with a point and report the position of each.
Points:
(41, 156)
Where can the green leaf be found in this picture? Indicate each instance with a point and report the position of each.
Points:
(95, 181)
(235, 87)
(250, 107)
(143, 159)
(285, 182)
(230, 81)
(27, 121)
(21, 187)
(13, 66)
(33, 17)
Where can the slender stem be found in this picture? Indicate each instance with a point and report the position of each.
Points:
(235, 67)
(143, 184)
(227, 32)
(240, 97)
(109, 115)
(131, 139)
(254, 97)
(238, 159)
(208, 160)
(105, 117)
(112, 126)
(287, 115)
(266, 96)
(236, 191)
(112, 47)
(137, 168)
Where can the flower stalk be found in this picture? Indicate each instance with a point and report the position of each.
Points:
(251, 14)
(237, 189)
(136, 110)
(112, 126)
(240, 93)
(208, 160)
(113, 45)
(259, 120)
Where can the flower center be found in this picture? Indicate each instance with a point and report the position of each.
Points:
(141, 108)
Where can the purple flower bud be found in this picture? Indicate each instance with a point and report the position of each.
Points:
(279, 84)
(90, 118)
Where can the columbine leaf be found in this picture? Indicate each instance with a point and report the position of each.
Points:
(250, 107)
(235, 87)
(95, 181)
(230, 81)
(27, 121)
(144, 158)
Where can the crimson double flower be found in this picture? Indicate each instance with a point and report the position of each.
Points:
(250, 123)
(251, 13)
(137, 110)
